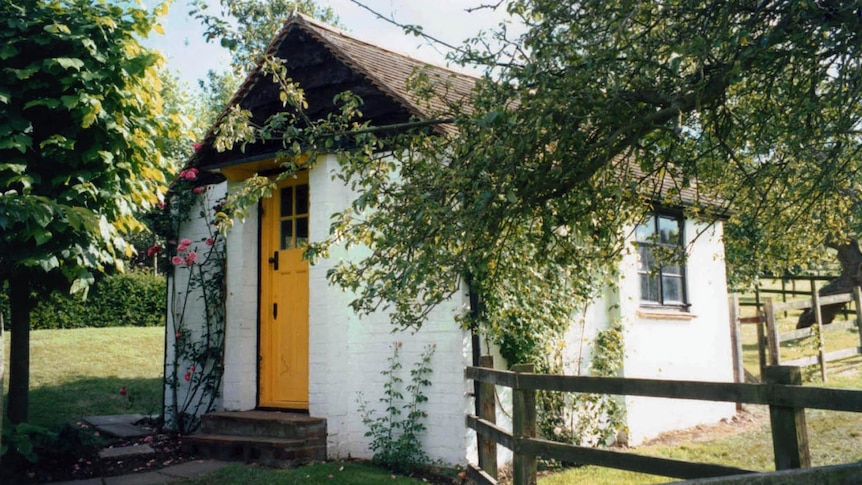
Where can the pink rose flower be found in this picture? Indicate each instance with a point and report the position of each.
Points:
(189, 174)
(188, 376)
(210, 241)
(186, 241)
(191, 258)
(153, 250)
(198, 190)
(196, 146)
(177, 260)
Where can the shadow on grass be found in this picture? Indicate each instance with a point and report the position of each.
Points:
(53, 406)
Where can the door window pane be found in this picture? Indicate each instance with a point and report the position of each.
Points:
(301, 199)
(286, 234)
(287, 202)
(301, 231)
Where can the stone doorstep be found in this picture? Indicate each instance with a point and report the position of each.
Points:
(120, 425)
(123, 451)
(114, 419)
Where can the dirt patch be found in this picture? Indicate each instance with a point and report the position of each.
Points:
(750, 418)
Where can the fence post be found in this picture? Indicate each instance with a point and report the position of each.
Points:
(487, 412)
(821, 345)
(772, 327)
(789, 433)
(857, 299)
(736, 341)
(523, 426)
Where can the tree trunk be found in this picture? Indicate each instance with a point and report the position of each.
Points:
(851, 275)
(2, 373)
(19, 352)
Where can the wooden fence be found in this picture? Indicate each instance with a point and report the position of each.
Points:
(791, 287)
(769, 338)
(786, 399)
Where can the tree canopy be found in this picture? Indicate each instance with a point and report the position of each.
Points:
(80, 124)
(596, 113)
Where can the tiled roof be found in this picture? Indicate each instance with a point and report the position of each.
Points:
(389, 70)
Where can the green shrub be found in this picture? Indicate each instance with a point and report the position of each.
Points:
(134, 299)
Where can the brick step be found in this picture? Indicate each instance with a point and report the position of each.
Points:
(267, 451)
(291, 426)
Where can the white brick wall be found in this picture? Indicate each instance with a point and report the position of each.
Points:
(240, 375)
(348, 353)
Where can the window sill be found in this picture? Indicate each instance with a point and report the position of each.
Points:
(665, 313)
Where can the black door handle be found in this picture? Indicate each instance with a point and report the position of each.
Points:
(274, 260)
(274, 311)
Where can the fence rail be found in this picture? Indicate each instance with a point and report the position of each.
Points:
(769, 337)
(783, 394)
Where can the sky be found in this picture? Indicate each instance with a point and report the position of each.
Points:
(191, 57)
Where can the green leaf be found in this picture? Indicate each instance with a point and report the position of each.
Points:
(47, 102)
(7, 51)
(57, 29)
(25, 73)
(69, 62)
(4, 96)
(70, 101)
(42, 236)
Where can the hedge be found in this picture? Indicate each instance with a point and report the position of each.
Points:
(134, 299)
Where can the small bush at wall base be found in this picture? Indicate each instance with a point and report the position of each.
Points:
(395, 434)
(134, 299)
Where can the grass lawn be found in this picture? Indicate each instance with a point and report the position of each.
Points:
(79, 372)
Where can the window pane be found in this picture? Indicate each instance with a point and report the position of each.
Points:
(646, 261)
(668, 230)
(649, 288)
(671, 270)
(301, 231)
(671, 289)
(287, 234)
(645, 231)
(301, 199)
(287, 202)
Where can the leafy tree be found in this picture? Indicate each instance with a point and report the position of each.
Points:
(80, 113)
(596, 113)
(246, 27)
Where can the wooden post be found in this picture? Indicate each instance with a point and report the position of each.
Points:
(789, 433)
(857, 299)
(487, 412)
(784, 294)
(524, 467)
(736, 341)
(821, 345)
(772, 328)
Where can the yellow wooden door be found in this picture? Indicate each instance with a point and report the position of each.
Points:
(283, 378)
